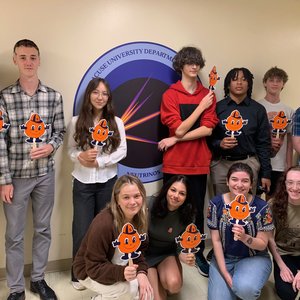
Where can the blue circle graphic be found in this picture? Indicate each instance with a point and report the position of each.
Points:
(138, 74)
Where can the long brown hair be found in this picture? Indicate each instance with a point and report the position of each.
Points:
(280, 201)
(140, 220)
(82, 136)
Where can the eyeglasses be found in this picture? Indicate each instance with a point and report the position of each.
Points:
(290, 183)
(103, 94)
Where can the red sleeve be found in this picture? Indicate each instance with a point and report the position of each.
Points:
(169, 111)
(209, 116)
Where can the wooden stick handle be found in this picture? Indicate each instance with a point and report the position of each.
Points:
(130, 262)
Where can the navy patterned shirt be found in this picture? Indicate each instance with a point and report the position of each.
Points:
(218, 218)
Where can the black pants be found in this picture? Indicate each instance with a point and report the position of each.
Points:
(88, 201)
(284, 289)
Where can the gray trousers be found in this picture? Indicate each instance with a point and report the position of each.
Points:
(41, 191)
(219, 169)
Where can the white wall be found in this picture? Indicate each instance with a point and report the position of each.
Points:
(72, 34)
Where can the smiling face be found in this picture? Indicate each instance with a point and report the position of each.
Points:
(274, 85)
(101, 131)
(129, 239)
(176, 195)
(292, 184)
(280, 121)
(27, 60)
(239, 183)
(234, 121)
(190, 240)
(34, 129)
(239, 208)
(99, 98)
(130, 201)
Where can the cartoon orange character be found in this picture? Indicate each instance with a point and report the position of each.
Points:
(239, 210)
(34, 128)
(100, 133)
(213, 78)
(234, 123)
(129, 241)
(279, 123)
(190, 239)
(2, 124)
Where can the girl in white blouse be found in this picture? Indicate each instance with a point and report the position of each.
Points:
(95, 167)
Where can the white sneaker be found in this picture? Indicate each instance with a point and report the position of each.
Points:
(78, 286)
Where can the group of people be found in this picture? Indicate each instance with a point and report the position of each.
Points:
(231, 139)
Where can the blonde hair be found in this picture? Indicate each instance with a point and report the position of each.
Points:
(140, 220)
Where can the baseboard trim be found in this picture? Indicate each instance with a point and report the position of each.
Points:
(52, 266)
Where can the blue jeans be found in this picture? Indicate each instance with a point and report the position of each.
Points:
(88, 200)
(249, 275)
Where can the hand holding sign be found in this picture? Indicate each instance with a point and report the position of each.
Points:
(239, 210)
(128, 242)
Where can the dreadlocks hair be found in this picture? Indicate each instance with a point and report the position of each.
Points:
(232, 74)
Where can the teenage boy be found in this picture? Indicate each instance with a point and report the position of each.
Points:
(26, 166)
(188, 110)
(242, 133)
(280, 116)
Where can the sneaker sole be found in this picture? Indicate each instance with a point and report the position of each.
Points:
(201, 272)
(78, 288)
(22, 298)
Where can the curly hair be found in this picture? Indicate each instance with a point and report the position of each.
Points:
(188, 56)
(85, 119)
(232, 74)
(276, 72)
(187, 210)
(280, 201)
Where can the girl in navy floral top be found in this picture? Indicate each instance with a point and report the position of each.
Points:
(241, 264)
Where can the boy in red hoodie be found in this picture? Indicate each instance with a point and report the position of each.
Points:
(188, 110)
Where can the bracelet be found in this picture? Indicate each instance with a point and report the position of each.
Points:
(142, 272)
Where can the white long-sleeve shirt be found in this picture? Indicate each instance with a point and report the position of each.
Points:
(107, 163)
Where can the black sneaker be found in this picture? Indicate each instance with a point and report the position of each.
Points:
(202, 265)
(210, 254)
(16, 296)
(41, 287)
